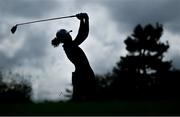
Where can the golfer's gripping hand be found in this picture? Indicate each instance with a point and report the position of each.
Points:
(82, 16)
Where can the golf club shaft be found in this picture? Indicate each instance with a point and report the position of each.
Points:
(45, 20)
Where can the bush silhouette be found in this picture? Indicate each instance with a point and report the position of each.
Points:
(14, 92)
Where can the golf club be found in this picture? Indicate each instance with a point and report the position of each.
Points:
(14, 28)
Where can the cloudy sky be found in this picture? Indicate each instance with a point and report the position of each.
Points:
(29, 52)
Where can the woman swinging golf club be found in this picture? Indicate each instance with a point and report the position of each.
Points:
(83, 78)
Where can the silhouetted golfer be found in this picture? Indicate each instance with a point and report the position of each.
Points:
(83, 78)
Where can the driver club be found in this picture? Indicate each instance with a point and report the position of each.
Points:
(14, 28)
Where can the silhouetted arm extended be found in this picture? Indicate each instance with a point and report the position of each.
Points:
(83, 29)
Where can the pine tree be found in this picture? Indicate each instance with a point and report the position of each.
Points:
(144, 63)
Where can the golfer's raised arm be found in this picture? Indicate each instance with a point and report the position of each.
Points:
(83, 29)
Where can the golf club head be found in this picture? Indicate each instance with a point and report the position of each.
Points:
(13, 29)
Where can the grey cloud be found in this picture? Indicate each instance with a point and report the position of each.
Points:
(176, 62)
(35, 45)
(129, 13)
(33, 50)
(26, 8)
(174, 27)
(134, 12)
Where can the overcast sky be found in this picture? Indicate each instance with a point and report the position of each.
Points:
(29, 51)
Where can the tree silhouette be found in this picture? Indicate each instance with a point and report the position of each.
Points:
(144, 65)
(14, 92)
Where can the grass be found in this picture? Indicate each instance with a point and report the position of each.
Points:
(93, 108)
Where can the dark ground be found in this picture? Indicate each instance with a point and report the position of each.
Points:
(163, 107)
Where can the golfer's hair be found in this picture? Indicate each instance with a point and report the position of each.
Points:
(55, 42)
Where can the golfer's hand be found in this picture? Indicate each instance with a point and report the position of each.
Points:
(81, 16)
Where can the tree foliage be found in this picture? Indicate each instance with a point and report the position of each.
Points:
(145, 59)
(14, 92)
(146, 51)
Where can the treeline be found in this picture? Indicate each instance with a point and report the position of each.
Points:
(14, 91)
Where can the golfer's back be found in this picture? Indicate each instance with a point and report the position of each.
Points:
(76, 55)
